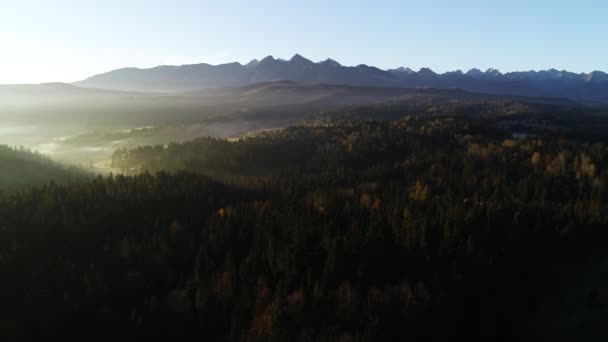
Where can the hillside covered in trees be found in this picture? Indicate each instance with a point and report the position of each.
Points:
(416, 229)
(19, 166)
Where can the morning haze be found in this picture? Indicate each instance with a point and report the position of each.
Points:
(267, 171)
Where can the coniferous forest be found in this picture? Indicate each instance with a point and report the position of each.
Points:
(20, 166)
(303, 171)
(421, 228)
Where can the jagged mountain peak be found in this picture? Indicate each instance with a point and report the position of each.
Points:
(426, 71)
(493, 72)
(253, 63)
(404, 70)
(297, 58)
(268, 58)
(597, 76)
(331, 63)
(552, 82)
(474, 72)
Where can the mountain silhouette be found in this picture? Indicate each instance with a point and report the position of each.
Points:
(591, 87)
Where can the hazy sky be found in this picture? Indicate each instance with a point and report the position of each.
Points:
(67, 40)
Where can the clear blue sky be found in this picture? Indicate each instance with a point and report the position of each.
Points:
(66, 40)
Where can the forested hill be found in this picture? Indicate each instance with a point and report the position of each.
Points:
(21, 167)
(425, 228)
(355, 145)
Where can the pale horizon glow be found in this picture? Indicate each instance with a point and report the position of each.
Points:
(69, 40)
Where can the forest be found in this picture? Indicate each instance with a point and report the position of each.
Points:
(423, 227)
(20, 166)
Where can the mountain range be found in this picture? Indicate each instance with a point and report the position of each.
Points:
(584, 87)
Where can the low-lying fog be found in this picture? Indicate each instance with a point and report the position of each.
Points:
(85, 126)
(92, 147)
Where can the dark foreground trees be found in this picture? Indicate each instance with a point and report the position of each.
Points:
(19, 166)
(414, 230)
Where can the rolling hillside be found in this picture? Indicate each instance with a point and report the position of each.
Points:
(21, 167)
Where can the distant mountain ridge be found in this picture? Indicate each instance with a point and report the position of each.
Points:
(590, 87)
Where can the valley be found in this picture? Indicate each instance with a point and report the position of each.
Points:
(202, 171)
(84, 126)
(325, 212)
